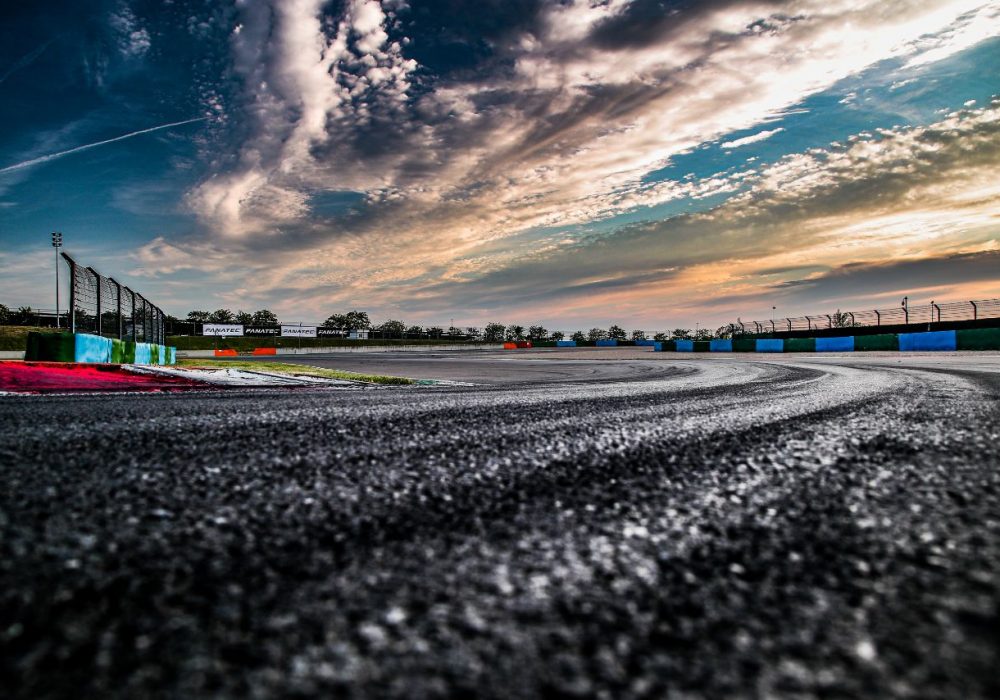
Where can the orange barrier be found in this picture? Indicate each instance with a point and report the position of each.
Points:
(510, 346)
(265, 351)
(522, 344)
(225, 353)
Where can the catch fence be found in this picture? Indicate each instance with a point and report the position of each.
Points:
(903, 315)
(102, 306)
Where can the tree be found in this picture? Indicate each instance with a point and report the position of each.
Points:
(515, 332)
(473, 333)
(4, 314)
(661, 337)
(537, 332)
(616, 333)
(730, 330)
(596, 334)
(264, 317)
(24, 316)
(198, 316)
(703, 334)
(452, 331)
(681, 334)
(221, 316)
(494, 332)
(842, 320)
(336, 321)
(414, 331)
(558, 335)
(435, 331)
(578, 337)
(357, 321)
(243, 318)
(392, 328)
(638, 335)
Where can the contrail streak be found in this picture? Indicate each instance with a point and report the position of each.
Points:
(53, 156)
(25, 60)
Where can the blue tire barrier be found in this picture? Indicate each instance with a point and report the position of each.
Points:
(684, 345)
(770, 345)
(565, 343)
(841, 344)
(92, 348)
(142, 354)
(645, 343)
(608, 343)
(657, 346)
(720, 346)
(932, 340)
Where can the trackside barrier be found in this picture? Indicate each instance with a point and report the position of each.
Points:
(800, 345)
(966, 339)
(875, 343)
(645, 343)
(565, 343)
(933, 340)
(770, 345)
(607, 343)
(226, 353)
(979, 339)
(88, 348)
(265, 351)
(841, 344)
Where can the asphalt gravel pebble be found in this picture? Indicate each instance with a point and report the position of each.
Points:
(710, 529)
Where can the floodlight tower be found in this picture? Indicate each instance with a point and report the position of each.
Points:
(57, 244)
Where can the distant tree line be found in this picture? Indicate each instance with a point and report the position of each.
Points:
(493, 332)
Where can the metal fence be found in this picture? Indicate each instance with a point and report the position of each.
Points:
(102, 306)
(894, 316)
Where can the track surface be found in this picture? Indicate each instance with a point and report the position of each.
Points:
(789, 527)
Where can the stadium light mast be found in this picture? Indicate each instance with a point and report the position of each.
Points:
(57, 244)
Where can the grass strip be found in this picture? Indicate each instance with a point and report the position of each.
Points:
(292, 369)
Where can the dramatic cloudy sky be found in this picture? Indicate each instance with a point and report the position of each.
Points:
(649, 162)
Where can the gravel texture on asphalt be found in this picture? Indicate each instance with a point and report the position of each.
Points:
(709, 528)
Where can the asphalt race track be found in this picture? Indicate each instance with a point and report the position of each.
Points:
(695, 527)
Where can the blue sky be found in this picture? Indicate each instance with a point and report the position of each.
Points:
(643, 162)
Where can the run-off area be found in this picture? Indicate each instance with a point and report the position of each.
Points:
(786, 527)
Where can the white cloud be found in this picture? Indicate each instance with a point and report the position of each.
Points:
(760, 136)
(564, 138)
(133, 40)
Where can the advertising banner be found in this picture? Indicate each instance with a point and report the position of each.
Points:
(298, 331)
(329, 333)
(261, 330)
(224, 329)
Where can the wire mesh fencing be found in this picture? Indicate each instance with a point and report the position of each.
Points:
(894, 316)
(102, 306)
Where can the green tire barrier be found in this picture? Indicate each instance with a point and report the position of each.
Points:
(872, 343)
(800, 345)
(979, 339)
(969, 339)
(83, 347)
